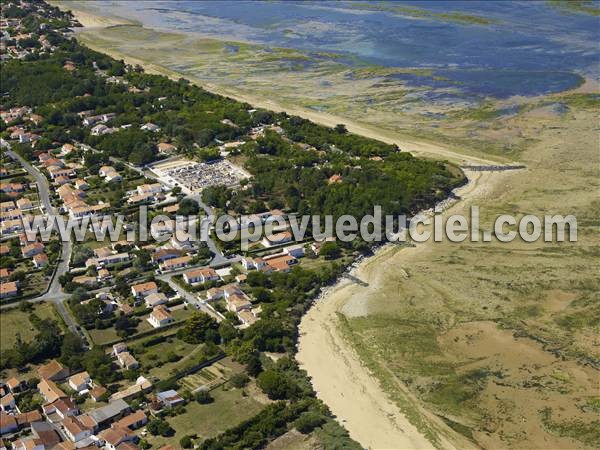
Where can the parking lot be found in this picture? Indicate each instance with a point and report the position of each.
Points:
(193, 176)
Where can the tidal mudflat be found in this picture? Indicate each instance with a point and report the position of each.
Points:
(497, 342)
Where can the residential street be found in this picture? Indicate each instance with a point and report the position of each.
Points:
(55, 293)
(190, 298)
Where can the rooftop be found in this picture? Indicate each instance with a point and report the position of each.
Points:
(109, 411)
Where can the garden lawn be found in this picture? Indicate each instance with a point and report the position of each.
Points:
(229, 409)
(13, 321)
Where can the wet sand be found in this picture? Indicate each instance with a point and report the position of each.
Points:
(338, 376)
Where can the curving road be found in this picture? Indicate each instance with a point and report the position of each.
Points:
(218, 258)
(54, 293)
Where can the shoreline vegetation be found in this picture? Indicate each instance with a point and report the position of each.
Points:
(375, 414)
(577, 6)
(419, 147)
(71, 78)
(372, 100)
(401, 429)
(328, 338)
(419, 13)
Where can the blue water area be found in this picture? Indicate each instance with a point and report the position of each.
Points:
(530, 48)
(506, 83)
(499, 84)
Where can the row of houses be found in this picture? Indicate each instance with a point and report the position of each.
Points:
(148, 292)
(278, 262)
(17, 211)
(236, 301)
(62, 424)
(74, 204)
(146, 193)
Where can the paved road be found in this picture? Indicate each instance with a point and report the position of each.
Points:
(190, 298)
(219, 258)
(55, 293)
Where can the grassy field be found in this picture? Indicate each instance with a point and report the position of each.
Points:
(500, 339)
(229, 408)
(294, 440)
(317, 263)
(207, 378)
(157, 356)
(13, 321)
(100, 337)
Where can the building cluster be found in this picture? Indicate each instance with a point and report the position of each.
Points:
(278, 262)
(34, 252)
(149, 294)
(21, 207)
(20, 39)
(146, 193)
(62, 424)
(236, 301)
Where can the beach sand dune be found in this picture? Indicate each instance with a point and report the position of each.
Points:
(338, 376)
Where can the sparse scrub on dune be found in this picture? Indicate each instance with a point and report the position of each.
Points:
(586, 432)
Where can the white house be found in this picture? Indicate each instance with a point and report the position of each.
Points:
(119, 348)
(214, 294)
(253, 263)
(100, 129)
(155, 299)
(246, 317)
(114, 436)
(144, 289)
(238, 302)
(80, 381)
(276, 239)
(200, 276)
(297, 251)
(113, 176)
(145, 189)
(127, 361)
(75, 430)
(105, 170)
(150, 127)
(7, 403)
(175, 263)
(63, 407)
(159, 317)
(169, 398)
(182, 240)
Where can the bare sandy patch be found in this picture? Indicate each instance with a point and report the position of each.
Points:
(89, 19)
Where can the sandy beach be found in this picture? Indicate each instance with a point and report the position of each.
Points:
(90, 20)
(338, 376)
